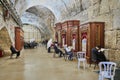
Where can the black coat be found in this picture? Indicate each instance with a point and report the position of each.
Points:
(56, 49)
(94, 54)
(98, 56)
(12, 49)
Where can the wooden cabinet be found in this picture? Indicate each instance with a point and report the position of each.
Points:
(73, 30)
(19, 38)
(64, 34)
(58, 27)
(70, 33)
(91, 34)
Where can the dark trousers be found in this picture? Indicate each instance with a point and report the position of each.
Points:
(61, 53)
(101, 57)
(17, 54)
(70, 55)
(49, 50)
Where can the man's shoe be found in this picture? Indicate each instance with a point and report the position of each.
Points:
(17, 57)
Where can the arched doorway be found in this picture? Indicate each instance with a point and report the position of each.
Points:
(5, 40)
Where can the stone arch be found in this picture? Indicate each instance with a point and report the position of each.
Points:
(45, 7)
(5, 40)
(44, 22)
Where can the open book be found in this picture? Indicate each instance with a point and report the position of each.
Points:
(102, 49)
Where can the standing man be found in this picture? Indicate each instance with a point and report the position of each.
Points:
(49, 45)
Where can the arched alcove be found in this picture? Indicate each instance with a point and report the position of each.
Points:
(5, 40)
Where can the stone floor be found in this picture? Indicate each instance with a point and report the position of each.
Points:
(37, 64)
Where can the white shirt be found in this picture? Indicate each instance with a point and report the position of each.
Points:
(49, 43)
(67, 49)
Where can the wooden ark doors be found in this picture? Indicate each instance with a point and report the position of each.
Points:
(74, 39)
(19, 38)
(84, 41)
(91, 35)
(63, 39)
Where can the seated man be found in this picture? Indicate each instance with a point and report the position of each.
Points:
(14, 51)
(101, 56)
(57, 50)
(98, 55)
(69, 52)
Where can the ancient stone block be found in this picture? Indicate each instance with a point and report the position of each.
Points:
(96, 10)
(116, 19)
(114, 55)
(118, 39)
(114, 4)
(95, 1)
(110, 39)
(111, 55)
(117, 55)
(85, 4)
(104, 6)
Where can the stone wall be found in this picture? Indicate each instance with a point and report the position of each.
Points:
(6, 30)
(107, 11)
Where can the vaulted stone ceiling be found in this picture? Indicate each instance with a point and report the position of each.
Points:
(40, 17)
(44, 13)
(60, 8)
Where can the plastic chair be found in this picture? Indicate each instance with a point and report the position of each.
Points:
(81, 58)
(107, 70)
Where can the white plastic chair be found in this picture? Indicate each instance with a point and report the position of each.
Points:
(107, 70)
(81, 58)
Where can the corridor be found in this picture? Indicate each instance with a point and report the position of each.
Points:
(37, 64)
